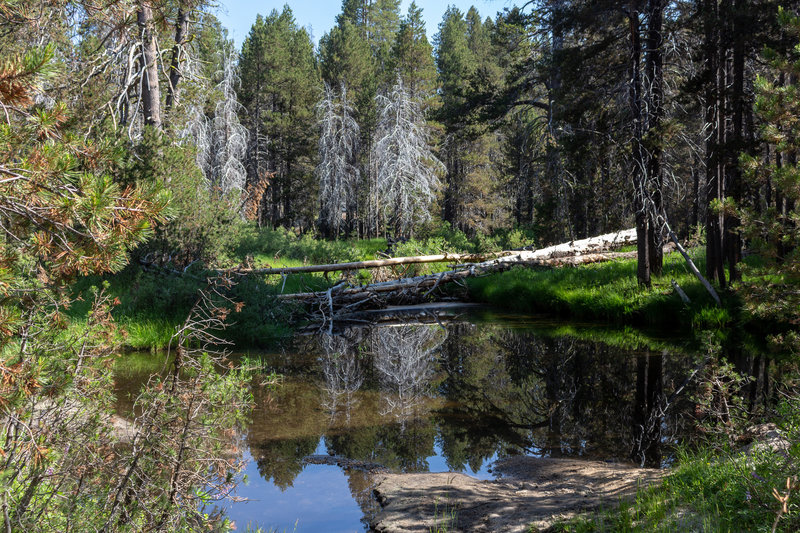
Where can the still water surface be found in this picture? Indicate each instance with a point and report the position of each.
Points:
(453, 394)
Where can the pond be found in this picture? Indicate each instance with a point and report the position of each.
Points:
(452, 389)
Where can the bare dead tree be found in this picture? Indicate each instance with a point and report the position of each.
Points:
(229, 136)
(408, 172)
(343, 373)
(197, 130)
(337, 172)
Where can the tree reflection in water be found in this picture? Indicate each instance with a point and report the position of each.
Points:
(396, 395)
(343, 373)
(404, 359)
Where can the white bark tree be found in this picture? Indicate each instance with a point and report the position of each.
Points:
(343, 375)
(229, 136)
(221, 141)
(337, 172)
(408, 172)
(197, 130)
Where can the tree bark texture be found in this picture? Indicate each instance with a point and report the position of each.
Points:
(178, 54)
(151, 93)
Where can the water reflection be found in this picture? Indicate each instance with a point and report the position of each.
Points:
(344, 375)
(404, 359)
(455, 397)
(396, 395)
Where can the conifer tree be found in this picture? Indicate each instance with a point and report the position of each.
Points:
(773, 230)
(412, 54)
(455, 65)
(280, 83)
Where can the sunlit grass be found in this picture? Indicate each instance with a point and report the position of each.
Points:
(607, 291)
(706, 491)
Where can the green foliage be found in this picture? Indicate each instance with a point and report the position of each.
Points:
(275, 246)
(605, 291)
(203, 226)
(280, 86)
(774, 233)
(412, 55)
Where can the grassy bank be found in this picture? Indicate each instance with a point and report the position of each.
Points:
(609, 292)
(152, 305)
(727, 487)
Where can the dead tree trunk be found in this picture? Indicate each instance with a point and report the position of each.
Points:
(151, 93)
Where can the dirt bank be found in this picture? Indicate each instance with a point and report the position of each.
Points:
(531, 492)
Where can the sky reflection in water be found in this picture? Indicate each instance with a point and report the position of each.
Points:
(426, 398)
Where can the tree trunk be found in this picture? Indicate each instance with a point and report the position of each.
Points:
(151, 93)
(733, 186)
(714, 118)
(654, 76)
(175, 69)
(638, 163)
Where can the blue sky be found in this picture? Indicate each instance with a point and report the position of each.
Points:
(319, 17)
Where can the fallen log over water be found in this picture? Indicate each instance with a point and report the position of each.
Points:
(593, 245)
(343, 301)
(373, 263)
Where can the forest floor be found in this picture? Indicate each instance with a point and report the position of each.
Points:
(531, 494)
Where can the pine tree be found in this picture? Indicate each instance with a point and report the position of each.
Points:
(280, 84)
(455, 64)
(412, 54)
(57, 204)
(384, 23)
(773, 229)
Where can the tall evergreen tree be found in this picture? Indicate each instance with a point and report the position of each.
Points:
(455, 64)
(280, 84)
(412, 54)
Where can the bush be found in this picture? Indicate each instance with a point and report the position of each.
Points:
(203, 225)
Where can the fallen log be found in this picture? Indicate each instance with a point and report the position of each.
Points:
(592, 245)
(373, 263)
(469, 270)
(342, 302)
(402, 284)
(693, 268)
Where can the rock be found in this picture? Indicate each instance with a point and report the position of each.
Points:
(533, 492)
(764, 437)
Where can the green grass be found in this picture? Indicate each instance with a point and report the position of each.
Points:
(720, 487)
(153, 305)
(705, 492)
(608, 292)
